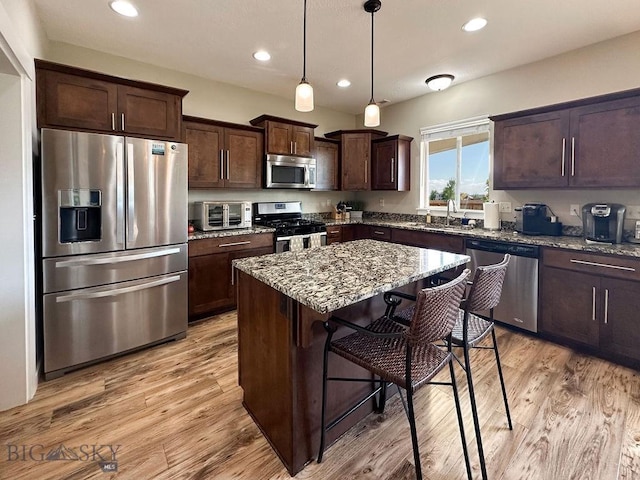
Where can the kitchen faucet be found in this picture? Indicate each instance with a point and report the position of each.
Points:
(451, 205)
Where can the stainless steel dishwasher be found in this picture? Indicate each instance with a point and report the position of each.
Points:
(519, 302)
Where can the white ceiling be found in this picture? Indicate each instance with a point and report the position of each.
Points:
(414, 39)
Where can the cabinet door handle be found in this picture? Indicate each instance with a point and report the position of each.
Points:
(227, 164)
(378, 232)
(334, 232)
(564, 147)
(233, 244)
(122, 121)
(573, 156)
(290, 147)
(295, 147)
(593, 303)
(366, 180)
(606, 306)
(393, 164)
(221, 164)
(604, 265)
(113, 121)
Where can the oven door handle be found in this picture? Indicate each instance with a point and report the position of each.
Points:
(307, 235)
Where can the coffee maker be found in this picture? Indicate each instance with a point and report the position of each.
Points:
(532, 219)
(603, 222)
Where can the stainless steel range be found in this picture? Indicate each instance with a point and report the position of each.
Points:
(292, 231)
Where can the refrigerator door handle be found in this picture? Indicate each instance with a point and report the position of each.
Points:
(131, 220)
(109, 291)
(120, 195)
(81, 262)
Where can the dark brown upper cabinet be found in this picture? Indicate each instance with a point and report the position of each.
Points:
(223, 155)
(355, 157)
(588, 143)
(327, 155)
(286, 137)
(73, 98)
(391, 163)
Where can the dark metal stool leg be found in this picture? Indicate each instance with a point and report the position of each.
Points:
(474, 411)
(414, 433)
(504, 389)
(382, 399)
(456, 398)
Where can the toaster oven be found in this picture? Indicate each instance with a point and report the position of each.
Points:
(222, 215)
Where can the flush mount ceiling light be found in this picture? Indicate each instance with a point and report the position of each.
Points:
(304, 90)
(474, 24)
(344, 83)
(439, 82)
(124, 8)
(262, 55)
(372, 111)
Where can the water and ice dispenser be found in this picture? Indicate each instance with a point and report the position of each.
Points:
(80, 215)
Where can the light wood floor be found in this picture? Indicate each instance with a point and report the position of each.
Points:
(175, 410)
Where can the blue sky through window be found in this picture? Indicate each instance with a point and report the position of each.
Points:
(474, 172)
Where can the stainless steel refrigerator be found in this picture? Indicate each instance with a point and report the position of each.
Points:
(114, 246)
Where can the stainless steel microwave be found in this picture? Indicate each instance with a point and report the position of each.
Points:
(222, 215)
(290, 172)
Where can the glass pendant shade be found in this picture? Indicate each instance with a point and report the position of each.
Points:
(304, 97)
(372, 115)
(304, 90)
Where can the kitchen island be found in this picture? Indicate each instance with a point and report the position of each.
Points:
(283, 300)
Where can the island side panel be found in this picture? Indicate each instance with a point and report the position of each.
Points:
(265, 336)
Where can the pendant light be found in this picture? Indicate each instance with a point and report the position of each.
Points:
(372, 111)
(304, 90)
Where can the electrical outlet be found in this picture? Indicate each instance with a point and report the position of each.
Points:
(328, 202)
(382, 202)
(633, 212)
(505, 207)
(574, 210)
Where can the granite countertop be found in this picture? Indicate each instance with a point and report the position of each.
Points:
(563, 241)
(331, 277)
(198, 235)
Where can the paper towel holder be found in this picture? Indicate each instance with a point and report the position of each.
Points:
(491, 215)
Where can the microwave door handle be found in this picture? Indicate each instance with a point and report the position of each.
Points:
(306, 176)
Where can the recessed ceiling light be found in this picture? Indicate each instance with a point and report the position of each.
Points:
(439, 82)
(124, 8)
(474, 24)
(344, 83)
(262, 55)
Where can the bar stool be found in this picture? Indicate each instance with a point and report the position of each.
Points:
(469, 330)
(402, 356)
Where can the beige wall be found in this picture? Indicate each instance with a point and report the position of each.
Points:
(20, 39)
(218, 101)
(602, 68)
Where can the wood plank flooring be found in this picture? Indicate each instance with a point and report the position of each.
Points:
(174, 412)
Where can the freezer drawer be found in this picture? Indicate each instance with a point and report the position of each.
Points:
(86, 325)
(83, 271)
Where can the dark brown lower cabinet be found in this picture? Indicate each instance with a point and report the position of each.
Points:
(438, 241)
(593, 301)
(334, 234)
(211, 285)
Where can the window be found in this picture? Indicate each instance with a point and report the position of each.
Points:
(455, 164)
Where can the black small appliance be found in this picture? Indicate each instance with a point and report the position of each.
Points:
(603, 222)
(532, 219)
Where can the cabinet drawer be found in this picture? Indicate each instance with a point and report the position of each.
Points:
(334, 235)
(233, 243)
(380, 233)
(627, 268)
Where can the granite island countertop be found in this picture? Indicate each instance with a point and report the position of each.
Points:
(331, 277)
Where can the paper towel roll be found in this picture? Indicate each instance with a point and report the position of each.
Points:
(491, 215)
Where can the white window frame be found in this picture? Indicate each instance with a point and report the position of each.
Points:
(445, 131)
